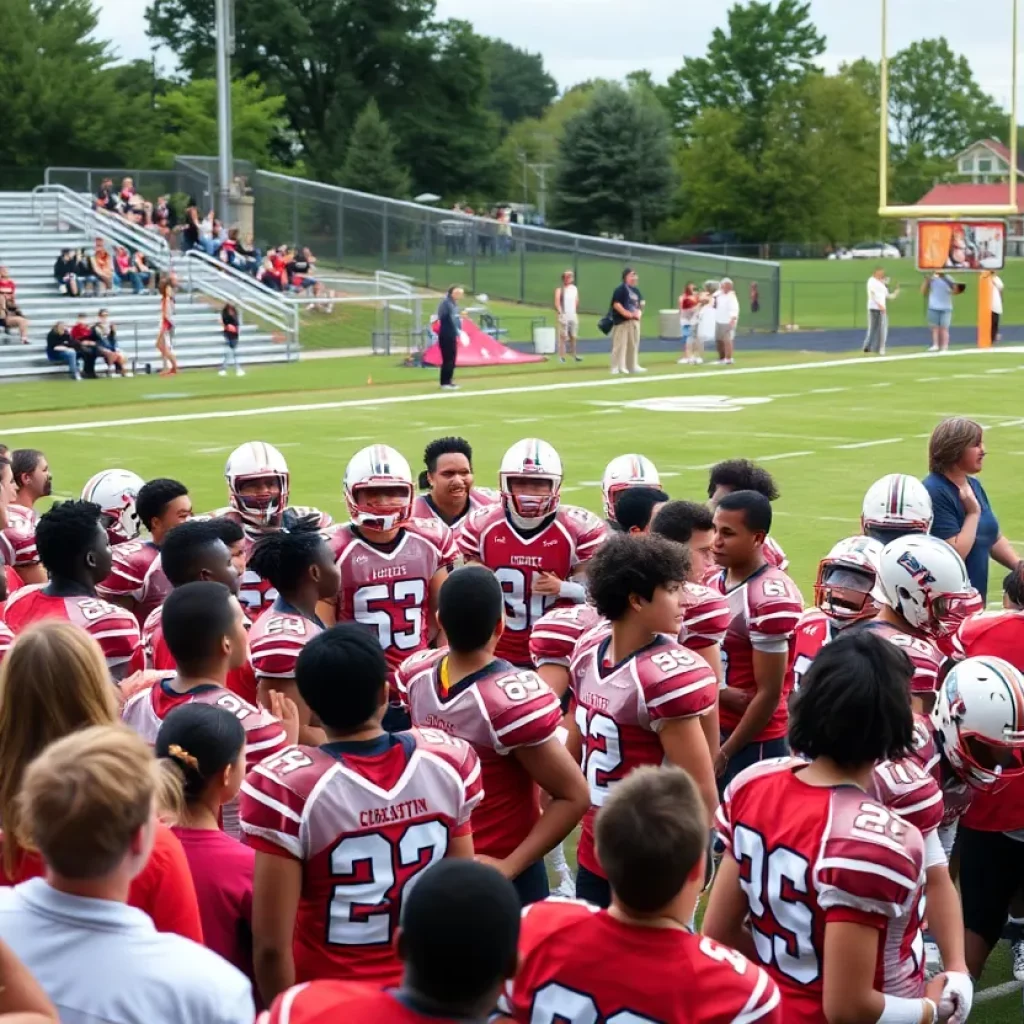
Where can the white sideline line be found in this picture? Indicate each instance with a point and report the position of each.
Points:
(997, 991)
(870, 444)
(781, 455)
(453, 396)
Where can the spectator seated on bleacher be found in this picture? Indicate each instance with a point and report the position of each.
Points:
(300, 277)
(85, 272)
(104, 333)
(60, 348)
(190, 230)
(124, 270)
(106, 197)
(64, 272)
(103, 267)
(12, 319)
(85, 345)
(243, 255)
(211, 235)
(273, 271)
(163, 216)
(145, 273)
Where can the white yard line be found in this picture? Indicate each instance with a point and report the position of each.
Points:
(870, 444)
(986, 995)
(781, 455)
(519, 389)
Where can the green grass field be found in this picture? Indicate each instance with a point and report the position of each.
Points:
(825, 427)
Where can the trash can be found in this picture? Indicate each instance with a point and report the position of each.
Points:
(668, 325)
(544, 339)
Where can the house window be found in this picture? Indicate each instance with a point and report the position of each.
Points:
(967, 165)
(985, 165)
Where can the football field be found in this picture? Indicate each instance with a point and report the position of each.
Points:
(826, 427)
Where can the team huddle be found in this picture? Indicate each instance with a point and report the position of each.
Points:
(465, 675)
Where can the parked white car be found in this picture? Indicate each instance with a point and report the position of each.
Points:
(875, 251)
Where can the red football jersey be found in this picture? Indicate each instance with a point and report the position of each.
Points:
(910, 791)
(364, 819)
(766, 609)
(706, 617)
(578, 963)
(495, 710)
(487, 536)
(14, 581)
(146, 710)
(389, 590)
(277, 638)
(774, 555)
(479, 497)
(927, 659)
(813, 631)
(136, 573)
(6, 639)
(153, 653)
(620, 708)
(328, 1002)
(555, 634)
(809, 855)
(18, 538)
(957, 796)
(113, 628)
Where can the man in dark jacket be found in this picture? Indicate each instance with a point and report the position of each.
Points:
(449, 325)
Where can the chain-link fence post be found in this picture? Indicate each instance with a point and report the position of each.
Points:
(295, 213)
(339, 226)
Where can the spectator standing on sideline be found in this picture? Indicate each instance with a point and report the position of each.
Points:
(963, 514)
(449, 325)
(627, 312)
(229, 321)
(755, 298)
(687, 321)
(997, 303)
(727, 315)
(878, 312)
(60, 348)
(165, 336)
(567, 306)
(940, 289)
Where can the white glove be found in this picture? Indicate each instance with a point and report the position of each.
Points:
(957, 997)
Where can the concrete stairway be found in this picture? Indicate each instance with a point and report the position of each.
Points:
(31, 239)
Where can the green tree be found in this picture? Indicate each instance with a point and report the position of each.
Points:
(188, 120)
(519, 86)
(765, 46)
(370, 163)
(614, 170)
(328, 58)
(935, 102)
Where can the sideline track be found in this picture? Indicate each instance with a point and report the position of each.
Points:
(450, 396)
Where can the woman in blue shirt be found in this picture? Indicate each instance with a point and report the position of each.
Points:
(963, 515)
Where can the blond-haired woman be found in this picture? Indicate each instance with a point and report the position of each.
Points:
(53, 682)
(963, 514)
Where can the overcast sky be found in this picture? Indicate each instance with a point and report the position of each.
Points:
(583, 39)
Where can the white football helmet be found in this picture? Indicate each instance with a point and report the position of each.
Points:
(530, 459)
(851, 562)
(624, 472)
(897, 502)
(979, 713)
(378, 466)
(925, 580)
(256, 460)
(115, 491)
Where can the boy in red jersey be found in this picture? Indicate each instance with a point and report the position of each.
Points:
(137, 581)
(17, 529)
(828, 882)
(342, 831)
(511, 718)
(533, 544)
(639, 694)
(457, 943)
(639, 957)
(448, 482)
(758, 649)
(75, 551)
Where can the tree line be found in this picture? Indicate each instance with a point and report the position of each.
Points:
(751, 140)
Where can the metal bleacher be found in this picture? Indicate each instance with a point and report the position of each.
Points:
(36, 226)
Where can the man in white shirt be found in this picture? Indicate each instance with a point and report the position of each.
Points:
(997, 304)
(87, 805)
(567, 306)
(727, 315)
(878, 312)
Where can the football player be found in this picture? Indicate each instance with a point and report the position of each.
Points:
(75, 551)
(845, 592)
(448, 481)
(927, 596)
(830, 881)
(533, 544)
(457, 943)
(192, 553)
(11, 581)
(744, 475)
(392, 566)
(758, 648)
(32, 478)
(300, 566)
(622, 473)
(511, 718)
(639, 694)
(652, 832)
(137, 581)
(6, 639)
(258, 483)
(17, 531)
(635, 508)
(204, 628)
(894, 506)
(342, 831)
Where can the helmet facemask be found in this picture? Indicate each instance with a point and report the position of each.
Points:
(385, 512)
(844, 593)
(261, 511)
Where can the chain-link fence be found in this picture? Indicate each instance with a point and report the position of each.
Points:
(183, 183)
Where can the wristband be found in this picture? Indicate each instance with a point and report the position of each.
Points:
(575, 592)
(908, 1011)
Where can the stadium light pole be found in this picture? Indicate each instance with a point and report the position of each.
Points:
(225, 46)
